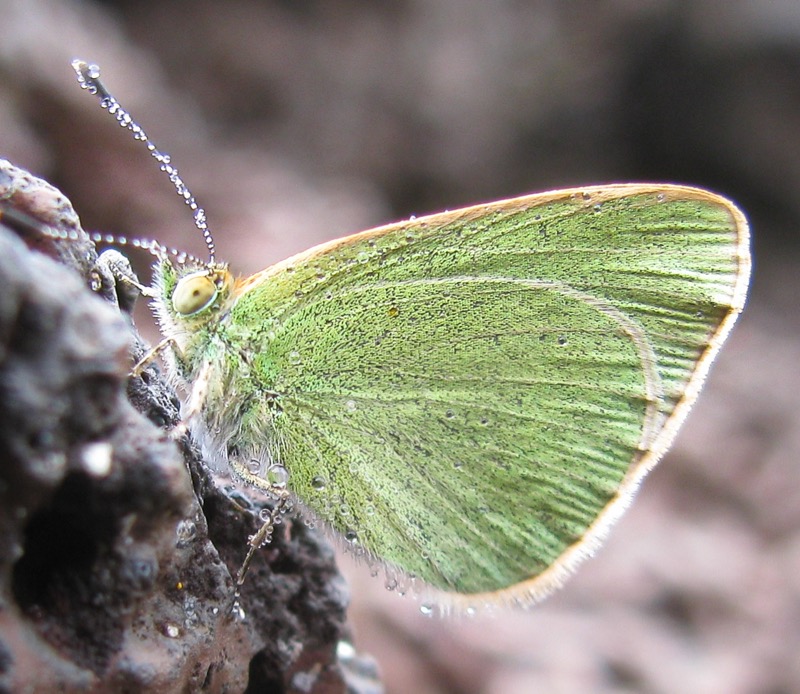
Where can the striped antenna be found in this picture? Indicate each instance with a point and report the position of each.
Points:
(89, 79)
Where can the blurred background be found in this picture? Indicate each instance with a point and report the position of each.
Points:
(297, 122)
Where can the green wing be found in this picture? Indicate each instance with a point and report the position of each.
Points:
(472, 397)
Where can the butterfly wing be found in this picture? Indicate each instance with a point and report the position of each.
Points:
(472, 397)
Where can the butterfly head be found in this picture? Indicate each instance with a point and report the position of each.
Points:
(192, 291)
(199, 291)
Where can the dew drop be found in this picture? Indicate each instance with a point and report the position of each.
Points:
(304, 681)
(586, 196)
(345, 650)
(661, 197)
(253, 466)
(597, 208)
(172, 630)
(363, 257)
(294, 357)
(562, 340)
(97, 458)
(426, 609)
(237, 611)
(277, 475)
(351, 536)
(191, 617)
(318, 483)
(350, 406)
(450, 414)
(186, 531)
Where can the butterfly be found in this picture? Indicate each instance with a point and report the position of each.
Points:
(469, 399)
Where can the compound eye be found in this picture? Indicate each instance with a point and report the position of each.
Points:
(193, 293)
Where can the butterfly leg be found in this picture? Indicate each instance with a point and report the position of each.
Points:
(261, 538)
(118, 282)
(150, 355)
(116, 268)
(196, 401)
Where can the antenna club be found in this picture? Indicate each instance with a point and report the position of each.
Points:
(89, 79)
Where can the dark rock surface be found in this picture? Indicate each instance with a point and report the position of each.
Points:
(115, 561)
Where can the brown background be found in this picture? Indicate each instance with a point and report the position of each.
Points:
(296, 122)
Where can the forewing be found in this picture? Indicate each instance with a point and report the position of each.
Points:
(472, 396)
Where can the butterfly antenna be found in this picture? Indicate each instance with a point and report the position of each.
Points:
(89, 79)
(152, 246)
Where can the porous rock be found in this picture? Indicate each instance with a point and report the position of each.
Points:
(116, 548)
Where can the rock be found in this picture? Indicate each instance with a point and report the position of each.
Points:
(116, 547)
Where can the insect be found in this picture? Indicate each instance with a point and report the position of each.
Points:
(471, 398)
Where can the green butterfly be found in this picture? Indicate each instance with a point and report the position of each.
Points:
(470, 398)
